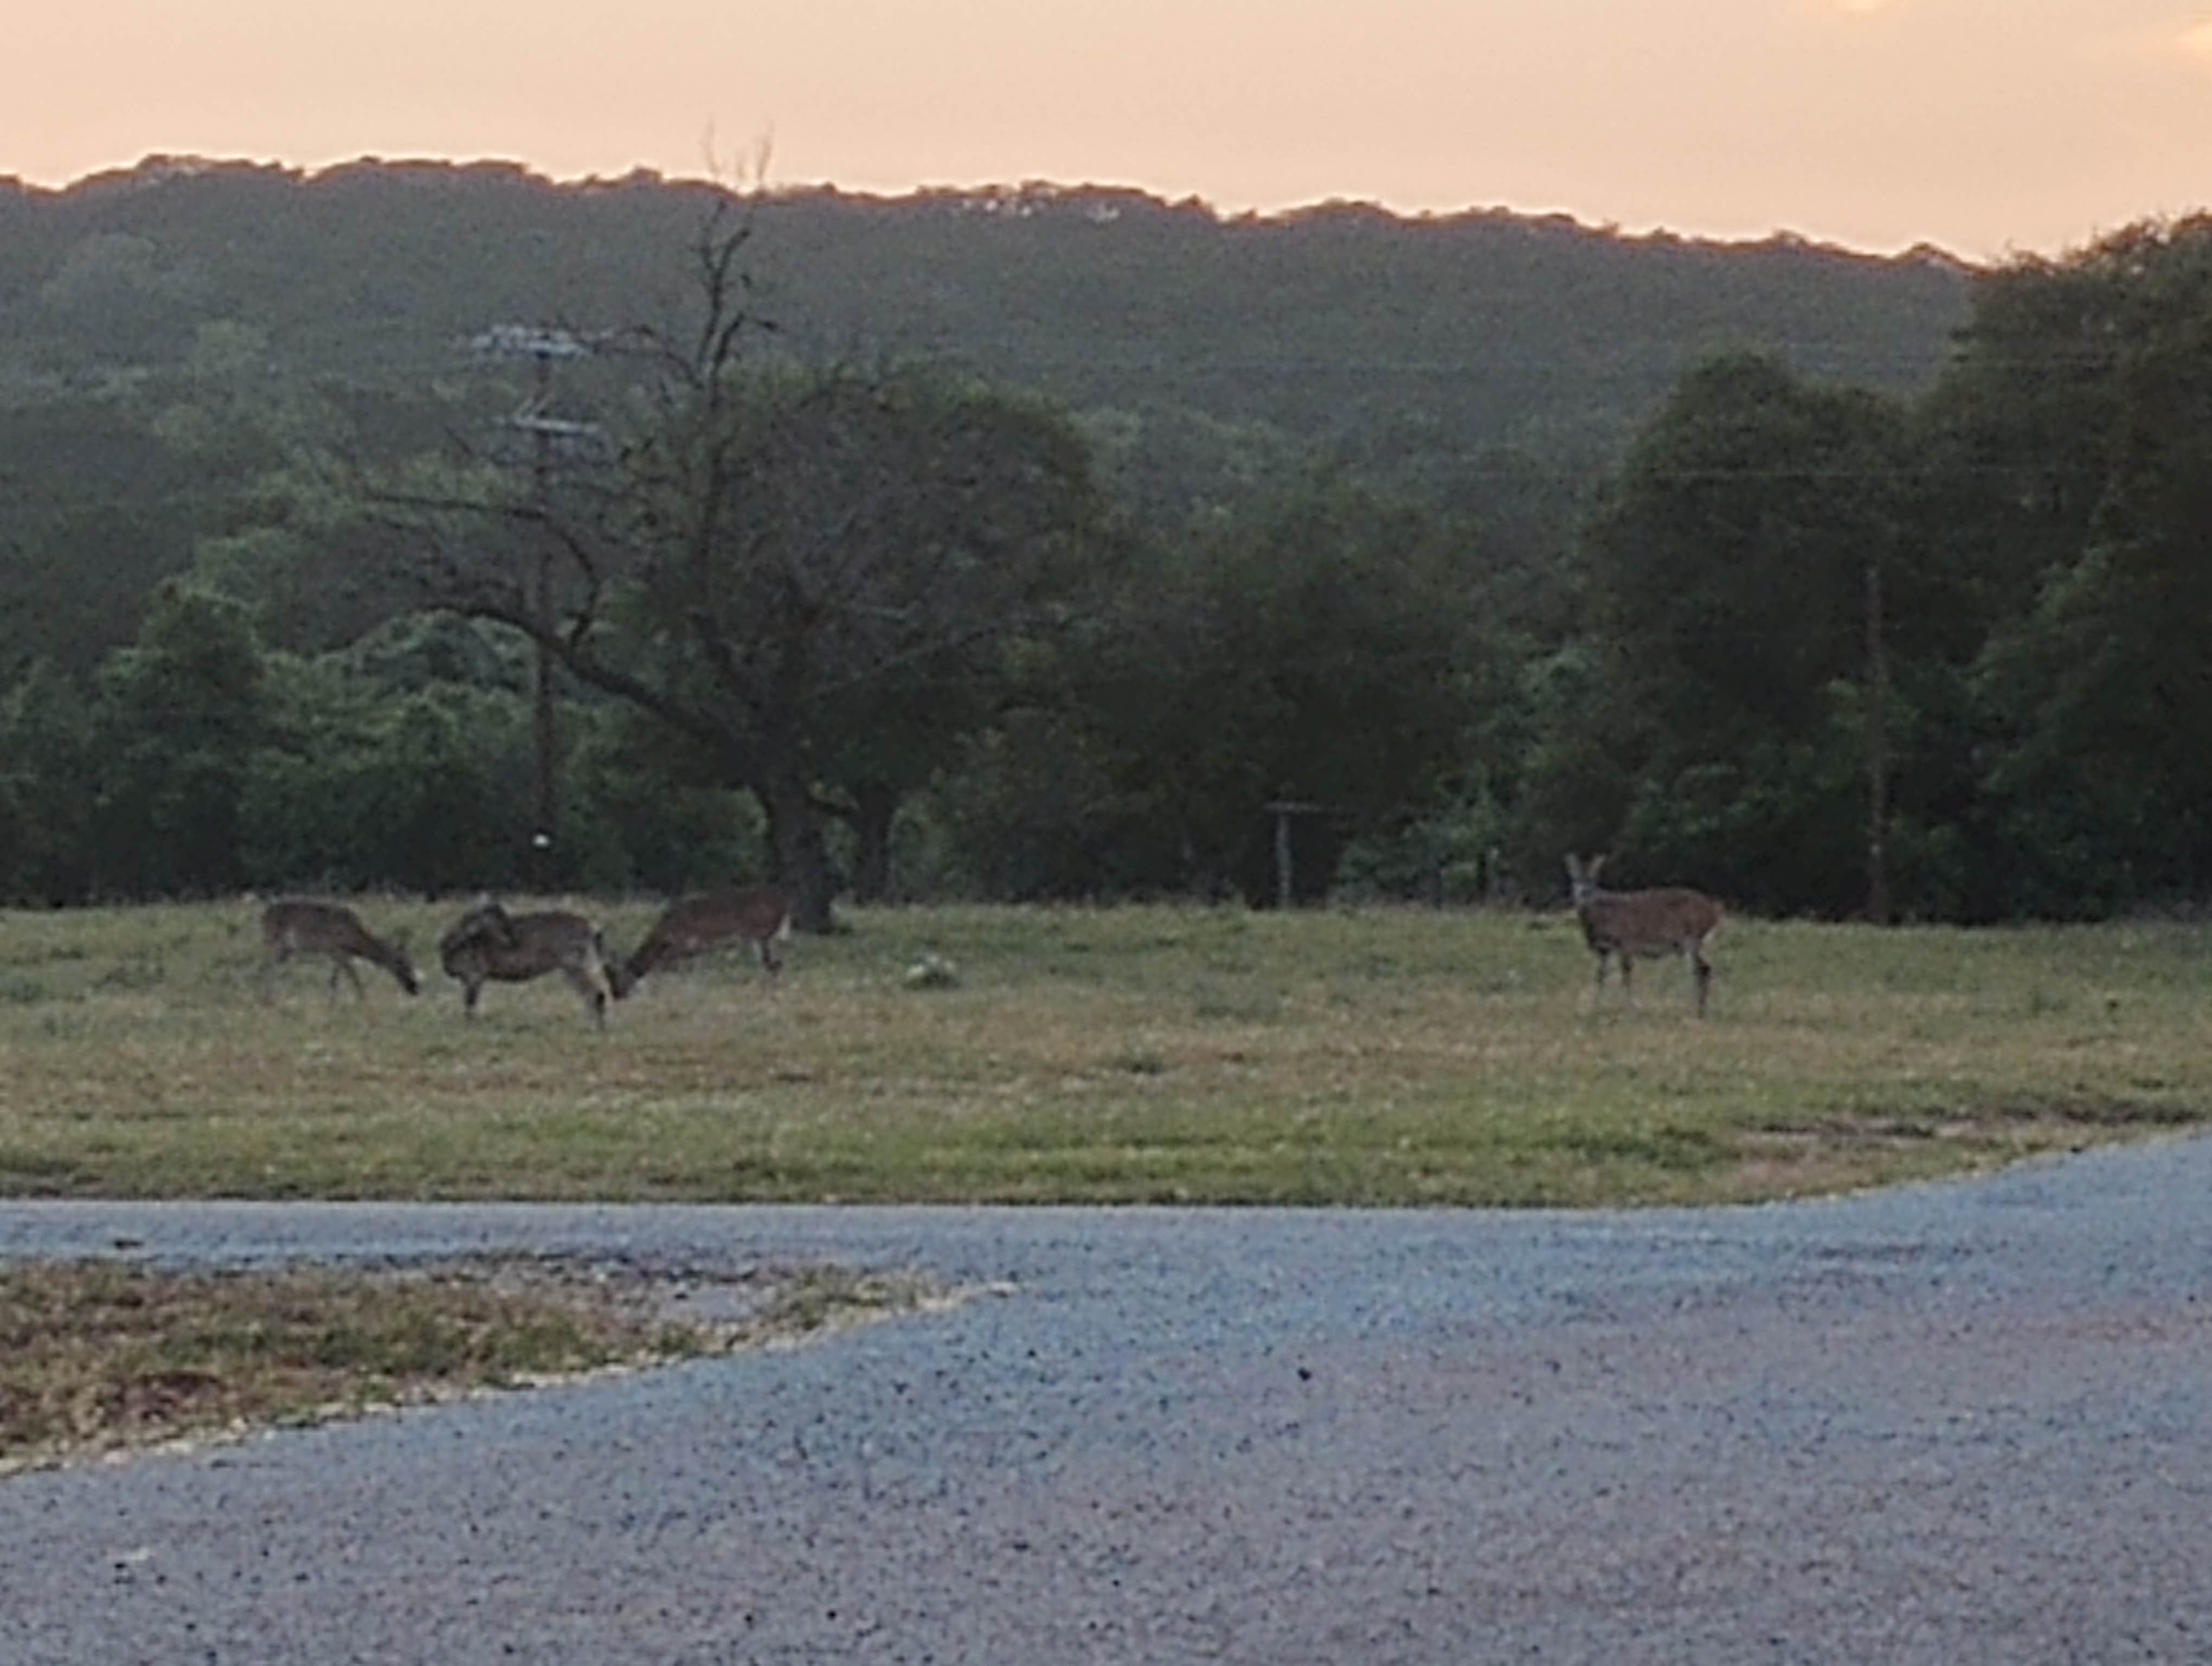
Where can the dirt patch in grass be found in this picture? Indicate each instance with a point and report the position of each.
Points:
(103, 1357)
(1805, 1156)
(2058, 1118)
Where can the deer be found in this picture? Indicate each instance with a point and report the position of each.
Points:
(692, 926)
(489, 945)
(1629, 924)
(296, 925)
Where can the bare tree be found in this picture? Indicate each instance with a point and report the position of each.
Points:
(775, 554)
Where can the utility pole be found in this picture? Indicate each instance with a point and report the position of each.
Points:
(544, 346)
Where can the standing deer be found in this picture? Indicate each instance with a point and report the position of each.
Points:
(758, 915)
(487, 944)
(295, 926)
(1626, 924)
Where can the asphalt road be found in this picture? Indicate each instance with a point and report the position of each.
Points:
(1949, 1424)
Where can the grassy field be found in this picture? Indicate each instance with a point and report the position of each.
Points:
(1127, 1054)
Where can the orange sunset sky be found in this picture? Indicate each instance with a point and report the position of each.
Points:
(1985, 127)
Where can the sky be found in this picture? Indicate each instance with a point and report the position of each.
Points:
(1988, 128)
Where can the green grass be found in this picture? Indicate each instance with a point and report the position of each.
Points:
(1126, 1055)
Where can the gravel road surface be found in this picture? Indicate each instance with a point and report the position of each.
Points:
(1947, 1423)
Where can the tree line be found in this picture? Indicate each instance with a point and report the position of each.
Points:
(887, 627)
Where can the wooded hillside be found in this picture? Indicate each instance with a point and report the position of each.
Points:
(1032, 542)
(1340, 322)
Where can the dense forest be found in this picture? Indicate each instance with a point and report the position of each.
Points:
(442, 527)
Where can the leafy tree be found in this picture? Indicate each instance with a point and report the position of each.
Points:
(118, 296)
(675, 827)
(2096, 697)
(1576, 778)
(1730, 572)
(1046, 805)
(178, 718)
(1316, 649)
(95, 511)
(355, 785)
(1170, 470)
(2017, 434)
(47, 759)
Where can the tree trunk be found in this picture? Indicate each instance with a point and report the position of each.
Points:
(874, 809)
(802, 855)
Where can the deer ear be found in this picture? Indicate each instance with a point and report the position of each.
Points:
(1596, 863)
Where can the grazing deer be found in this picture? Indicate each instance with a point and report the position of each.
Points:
(489, 945)
(295, 926)
(758, 915)
(1627, 924)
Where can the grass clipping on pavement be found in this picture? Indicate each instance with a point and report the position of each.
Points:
(104, 1356)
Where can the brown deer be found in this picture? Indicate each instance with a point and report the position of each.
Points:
(758, 915)
(489, 945)
(1629, 924)
(295, 926)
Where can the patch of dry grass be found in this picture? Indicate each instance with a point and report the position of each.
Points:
(1129, 1054)
(104, 1356)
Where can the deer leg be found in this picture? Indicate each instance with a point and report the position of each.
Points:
(1702, 969)
(1627, 981)
(470, 991)
(594, 997)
